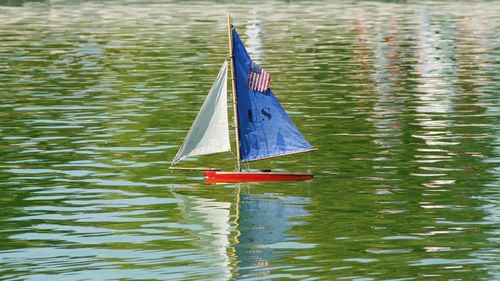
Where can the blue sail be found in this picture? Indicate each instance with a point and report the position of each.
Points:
(264, 128)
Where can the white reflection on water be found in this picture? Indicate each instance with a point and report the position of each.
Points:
(436, 66)
(435, 93)
(255, 32)
(212, 221)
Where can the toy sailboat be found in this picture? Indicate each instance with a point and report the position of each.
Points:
(263, 130)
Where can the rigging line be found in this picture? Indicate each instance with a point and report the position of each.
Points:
(247, 165)
(234, 156)
(309, 162)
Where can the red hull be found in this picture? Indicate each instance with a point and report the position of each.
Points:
(218, 176)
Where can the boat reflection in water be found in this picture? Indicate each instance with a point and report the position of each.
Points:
(244, 238)
(209, 221)
(265, 221)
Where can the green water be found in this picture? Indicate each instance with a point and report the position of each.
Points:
(401, 100)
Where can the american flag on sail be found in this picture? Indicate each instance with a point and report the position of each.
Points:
(258, 78)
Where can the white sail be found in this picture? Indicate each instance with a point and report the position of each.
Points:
(210, 130)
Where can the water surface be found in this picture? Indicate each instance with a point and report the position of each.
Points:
(401, 100)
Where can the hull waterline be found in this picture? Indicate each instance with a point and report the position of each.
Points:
(220, 177)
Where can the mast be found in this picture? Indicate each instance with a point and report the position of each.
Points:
(235, 109)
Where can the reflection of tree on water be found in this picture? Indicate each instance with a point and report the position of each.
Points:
(475, 58)
(245, 240)
(19, 3)
(451, 120)
(389, 104)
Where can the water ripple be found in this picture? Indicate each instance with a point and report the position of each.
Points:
(401, 100)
